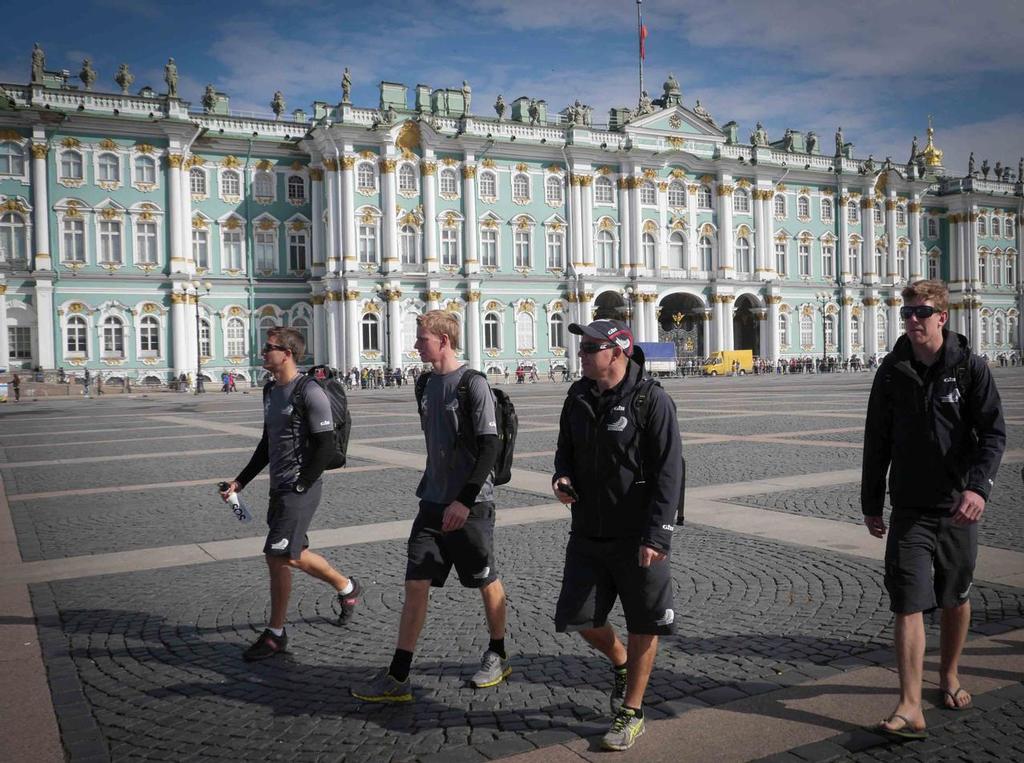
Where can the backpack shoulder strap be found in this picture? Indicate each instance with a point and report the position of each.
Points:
(965, 376)
(465, 409)
(642, 402)
(421, 388)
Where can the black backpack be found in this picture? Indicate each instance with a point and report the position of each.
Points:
(641, 415)
(333, 386)
(505, 419)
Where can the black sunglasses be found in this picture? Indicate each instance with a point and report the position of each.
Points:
(268, 347)
(921, 312)
(589, 348)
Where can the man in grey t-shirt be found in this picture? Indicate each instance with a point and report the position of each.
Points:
(455, 522)
(296, 448)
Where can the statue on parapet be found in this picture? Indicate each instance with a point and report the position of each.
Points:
(346, 86)
(971, 171)
(88, 74)
(533, 110)
(124, 78)
(209, 99)
(645, 106)
(38, 64)
(985, 168)
(760, 136)
(467, 97)
(913, 150)
(703, 113)
(788, 140)
(839, 141)
(499, 107)
(277, 104)
(999, 170)
(812, 142)
(869, 165)
(1020, 169)
(171, 78)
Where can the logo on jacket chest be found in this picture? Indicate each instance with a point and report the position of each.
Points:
(616, 420)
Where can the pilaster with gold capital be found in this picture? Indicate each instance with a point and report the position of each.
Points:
(40, 208)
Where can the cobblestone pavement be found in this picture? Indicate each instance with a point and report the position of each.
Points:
(146, 664)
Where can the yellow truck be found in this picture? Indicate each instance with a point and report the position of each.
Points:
(721, 363)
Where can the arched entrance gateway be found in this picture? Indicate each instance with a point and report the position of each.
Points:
(746, 324)
(610, 305)
(681, 321)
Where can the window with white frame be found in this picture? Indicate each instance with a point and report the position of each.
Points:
(409, 330)
(879, 261)
(110, 242)
(149, 336)
(488, 186)
(489, 247)
(605, 250)
(145, 170)
(1011, 267)
(804, 257)
(933, 267)
(113, 336)
(827, 210)
(298, 251)
(19, 342)
(784, 330)
(986, 337)
(234, 335)
(370, 332)
(201, 247)
(830, 331)
(806, 331)
(855, 331)
(556, 331)
(145, 242)
(876, 211)
(648, 249)
(741, 201)
(853, 259)
(521, 246)
(779, 205)
(882, 331)
(553, 190)
(12, 159)
(704, 197)
(263, 185)
(676, 194)
(231, 250)
(1008, 228)
(933, 228)
(677, 251)
(108, 167)
(73, 238)
(901, 215)
(296, 188)
(266, 250)
(13, 238)
(803, 207)
(997, 268)
(982, 225)
(205, 341)
(744, 262)
(230, 184)
(197, 181)
(406, 179)
(901, 260)
(604, 191)
(448, 182)
(998, 326)
(365, 177)
(450, 247)
(525, 331)
(407, 240)
(266, 325)
(828, 260)
(995, 227)
(555, 247)
(77, 339)
(71, 166)
(301, 324)
(983, 267)
(521, 187)
(492, 332)
(704, 250)
(852, 211)
(781, 255)
(648, 193)
(1011, 331)
(368, 243)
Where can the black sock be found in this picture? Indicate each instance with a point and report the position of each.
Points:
(638, 711)
(497, 646)
(400, 665)
(619, 668)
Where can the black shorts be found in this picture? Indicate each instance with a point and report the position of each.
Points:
(920, 542)
(598, 570)
(431, 552)
(288, 517)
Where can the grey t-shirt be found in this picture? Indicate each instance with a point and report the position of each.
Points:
(449, 464)
(288, 444)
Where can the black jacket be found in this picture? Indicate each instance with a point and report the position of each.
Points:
(935, 440)
(628, 478)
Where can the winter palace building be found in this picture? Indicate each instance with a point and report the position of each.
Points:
(140, 237)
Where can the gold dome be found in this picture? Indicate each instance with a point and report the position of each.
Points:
(932, 155)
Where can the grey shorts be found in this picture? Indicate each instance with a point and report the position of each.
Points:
(432, 553)
(597, 571)
(929, 561)
(288, 517)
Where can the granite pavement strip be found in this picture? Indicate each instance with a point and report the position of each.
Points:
(777, 721)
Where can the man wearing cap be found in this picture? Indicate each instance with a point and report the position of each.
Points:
(619, 467)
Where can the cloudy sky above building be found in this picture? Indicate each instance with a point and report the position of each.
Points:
(876, 67)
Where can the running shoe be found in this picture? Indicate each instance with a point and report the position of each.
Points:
(383, 687)
(348, 602)
(618, 695)
(624, 730)
(267, 645)
(493, 670)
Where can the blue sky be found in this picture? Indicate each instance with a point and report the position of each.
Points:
(876, 67)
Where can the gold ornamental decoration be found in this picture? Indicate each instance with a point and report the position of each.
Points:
(351, 295)
(264, 165)
(108, 145)
(198, 223)
(489, 163)
(724, 190)
(267, 225)
(870, 301)
(521, 167)
(178, 299)
(428, 168)
(330, 164)
(39, 150)
(473, 295)
(231, 162)
(317, 299)
(469, 172)
(236, 312)
(433, 295)
(232, 223)
(650, 174)
(367, 155)
(386, 165)
(174, 161)
(316, 174)
(890, 204)
(71, 142)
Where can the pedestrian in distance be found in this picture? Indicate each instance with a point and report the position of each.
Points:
(296, 448)
(935, 423)
(86, 382)
(618, 464)
(16, 386)
(455, 522)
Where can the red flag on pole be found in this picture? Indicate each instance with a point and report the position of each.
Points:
(643, 38)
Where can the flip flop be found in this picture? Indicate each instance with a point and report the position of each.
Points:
(952, 695)
(906, 731)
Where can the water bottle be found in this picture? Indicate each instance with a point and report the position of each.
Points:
(241, 511)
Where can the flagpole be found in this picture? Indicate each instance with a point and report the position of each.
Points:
(640, 42)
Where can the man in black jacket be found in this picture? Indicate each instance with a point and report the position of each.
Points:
(619, 464)
(935, 423)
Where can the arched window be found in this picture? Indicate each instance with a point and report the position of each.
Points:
(266, 325)
(145, 242)
(407, 239)
(826, 210)
(901, 215)
(525, 332)
(266, 250)
(235, 337)
(298, 260)
(829, 324)
(370, 333)
(933, 228)
(77, 335)
(998, 330)
(995, 227)
(13, 238)
(406, 179)
(876, 212)
(648, 248)
(553, 190)
(743, 260)
(880, 261)
(784, 330)
(852, 211)
(365, 177)
(205, 338)
(521, 187)
(556, 331)
(450, 247)
(12, 160)
(489, 247)
(145, 169)
(677, 194)
(803, 207)
(555, 249)
(741, 201)
(781, 257)
(230, 184)
(1008, 227)
(933, 267)
(604, 191)
(605, 250)
(828, 260)
(73, 238)
(806, 331)
(779, 205)
(71, 165)
(301, 324)
(488, 186)
(231, 249)
(113, 336)
(882, 331)
(853, 259)
(368, 243)
(983, 267)
(492, 332)
(448, 182)
(677, 251)
(149, 336)
(855, 331)
(263, 185)
(109, 168)
(110, 241)
(804, 257)
(982, 225)
(296, 188)
(521, 241)
(705, 251)
(197, 181)
(901, 260)
(704, 197)
(1011, 267)
(648, 193)
(1011, 331)
(986, 336)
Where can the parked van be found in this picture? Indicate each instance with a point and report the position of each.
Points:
(721, 363)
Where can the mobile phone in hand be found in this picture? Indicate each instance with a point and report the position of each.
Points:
(569, 490)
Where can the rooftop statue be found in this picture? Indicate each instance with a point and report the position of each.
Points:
(645, 106)
(467, 96)
(534, 111)
(499, 107)
(124, 78)
(984, 168)
(171, 78)
(812, 142)
(88, 74)
(38, 63)
(671, 85)
(277, 104)
(760, 136)
(971, 172)
(788, 140)
(999, 170)
(209, 99)
(913, 149)
(1020, 169)
(703, 113)
(346, 86)
(839, 141)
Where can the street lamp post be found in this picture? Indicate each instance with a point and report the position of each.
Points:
(823, 298)
(207, 286)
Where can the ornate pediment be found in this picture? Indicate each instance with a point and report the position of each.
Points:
(675, 121)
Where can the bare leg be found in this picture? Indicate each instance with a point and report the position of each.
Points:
(313, 564)
(640, 661)
(414, 613)
(605, 640)
(493, 595)
(280, 589)
(910, 662)
(955, 622)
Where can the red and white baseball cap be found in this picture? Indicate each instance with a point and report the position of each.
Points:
(606, 330)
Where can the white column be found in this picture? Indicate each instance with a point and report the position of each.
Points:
(652, 317)
(352, 329)
(726, 252)
(393, 296)
(179, 340)
(914, 221)
(637, 320)
(576, 222)
(473, 337)
(975, 338)
(586, 307)
(433, 297)
(471, 229)
(5, 349)
(716, 324)
(728, 340)
(587, 218)
(707, 327)
(768, 214)
(867, 230)
(389, 229)
(844, 236)
(44, 323)
(773, 327)
(971, 249)
(191, 339)
(335, 330)
(178, 263)
(428, 172)
(635, 225)
(954, 249)
(319, 256)
(319, 331)
(40, 214)
(332, 229)
(625, 228)
(692, 261)
(870, 326)
(571, 356)
(846, 326)
(760, 247)
(892, 328)
(891, 274)
(661, 261)
(346, 245)
(186, 221)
